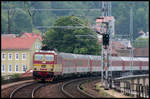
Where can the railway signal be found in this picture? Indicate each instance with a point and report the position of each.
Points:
(105, 39)
(105, 32)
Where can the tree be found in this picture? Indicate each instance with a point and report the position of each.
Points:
(141, 21)
(4, 24)
(23, 22)
(141, 42)
(120, 11)
(36, 31)
(9, 14)
(66, 40)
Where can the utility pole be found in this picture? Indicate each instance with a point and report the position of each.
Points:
(10, 15)
(105, 32)
(110, 32)
(107, 48)
(131, 39)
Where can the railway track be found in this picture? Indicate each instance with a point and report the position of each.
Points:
(26, 90)
(69, 88)
(72, 89)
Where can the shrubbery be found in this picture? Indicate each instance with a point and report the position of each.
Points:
(15, 76)
(11, 78)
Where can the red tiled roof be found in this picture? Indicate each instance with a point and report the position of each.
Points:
(9, 35)
(117, 45)
(106, 19)
(113, 51)
(16, 43)
(30, 35)
(140, 52)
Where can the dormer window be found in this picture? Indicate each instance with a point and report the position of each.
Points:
(37, 46)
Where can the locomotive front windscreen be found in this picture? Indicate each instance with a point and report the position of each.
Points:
(49, 57)
(40, 57)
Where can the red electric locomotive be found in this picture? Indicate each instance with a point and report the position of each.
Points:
(43, 65)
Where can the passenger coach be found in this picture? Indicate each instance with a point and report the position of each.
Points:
(48, 65)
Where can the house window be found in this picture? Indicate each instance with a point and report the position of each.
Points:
(9, 56)
(17, 56)
(17, 67)
(10, 68)
(3, 56)
(3, 68)
(24, 68)
(23, 56)
(37, 46)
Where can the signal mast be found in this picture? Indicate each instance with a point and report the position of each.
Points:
(106, 33)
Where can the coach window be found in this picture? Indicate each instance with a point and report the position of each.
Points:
(49, 57)
(143, 52)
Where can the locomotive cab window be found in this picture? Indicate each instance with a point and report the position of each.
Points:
(38, 57)
(49, 57)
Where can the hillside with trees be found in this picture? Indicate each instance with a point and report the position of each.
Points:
(23, 19)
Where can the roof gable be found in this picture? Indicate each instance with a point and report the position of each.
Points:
(16, 43)
(32, 35)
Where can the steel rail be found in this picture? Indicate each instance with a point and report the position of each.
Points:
(65, 92)
(35, 89)
(26, 85)
(83, 92)
(78, 87)
(15, 90)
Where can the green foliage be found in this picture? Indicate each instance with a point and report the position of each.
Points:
(2, 78)
(65, 40)
(36, 31)
(141, 42)
(22, 21)
(15, 76)
(4, 24)
(102, 92)
(121, 12)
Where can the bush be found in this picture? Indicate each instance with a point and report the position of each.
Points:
(15, 76)
(141, 42)
(3, 78)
